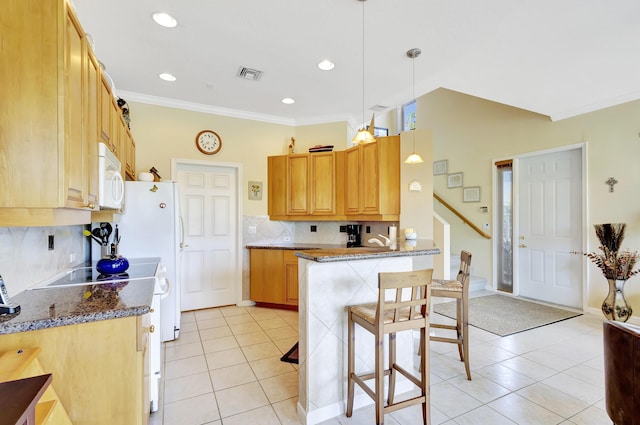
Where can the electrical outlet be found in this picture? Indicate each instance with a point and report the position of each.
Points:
(72, 258)
(314, 228)
(252, 230)
(368, 229)
(51, 242)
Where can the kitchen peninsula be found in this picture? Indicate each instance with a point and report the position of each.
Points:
(330, 280)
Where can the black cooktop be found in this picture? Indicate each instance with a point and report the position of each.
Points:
(139, 268)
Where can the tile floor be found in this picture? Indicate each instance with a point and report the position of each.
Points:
(225, 370)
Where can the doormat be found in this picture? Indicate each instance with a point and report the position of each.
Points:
(503, 315)
(291, 356)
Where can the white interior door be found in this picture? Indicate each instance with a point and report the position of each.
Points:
(208, 201)
(550, 227)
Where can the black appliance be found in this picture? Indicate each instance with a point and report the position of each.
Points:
(354, 235)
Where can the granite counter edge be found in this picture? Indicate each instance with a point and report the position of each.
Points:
(327, 258)
(39, 324)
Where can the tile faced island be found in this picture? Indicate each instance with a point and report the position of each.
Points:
(329, 281)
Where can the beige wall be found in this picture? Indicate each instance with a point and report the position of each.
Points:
(417, 207)
(163, 133)
(471, 133)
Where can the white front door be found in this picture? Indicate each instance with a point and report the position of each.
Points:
(550, 227)
(208, 198)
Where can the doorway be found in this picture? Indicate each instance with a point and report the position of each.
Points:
(548, 226)
(211, 253)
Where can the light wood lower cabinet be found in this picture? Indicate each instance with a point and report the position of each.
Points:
(98, 368)
(274, 276)
(290, 277)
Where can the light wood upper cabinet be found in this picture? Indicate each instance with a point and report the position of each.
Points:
(105, 112)
(360, 183)
(372, 180)
(322, 180)
(92, 117)
(298, 187)
(130, 163)
(352, 180)
(76, 162)
(303, 185)
(46, 153)
(277, 186)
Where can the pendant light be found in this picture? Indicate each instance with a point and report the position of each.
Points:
(364, 135)
(414, 158)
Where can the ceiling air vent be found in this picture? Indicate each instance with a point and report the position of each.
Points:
(379, 108)
(249, 73)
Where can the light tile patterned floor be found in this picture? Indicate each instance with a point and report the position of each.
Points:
(225, 369)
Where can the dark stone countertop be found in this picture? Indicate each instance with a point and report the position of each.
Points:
(294, 246)
(324, 253)
(70, 305)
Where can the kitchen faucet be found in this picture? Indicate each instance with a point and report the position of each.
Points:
(377, 241)
(388, 241)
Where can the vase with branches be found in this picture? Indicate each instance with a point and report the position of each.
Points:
(617, 266)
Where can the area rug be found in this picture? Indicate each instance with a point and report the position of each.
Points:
(291, 356)
(503, 315)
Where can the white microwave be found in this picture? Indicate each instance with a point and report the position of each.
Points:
(110, 183)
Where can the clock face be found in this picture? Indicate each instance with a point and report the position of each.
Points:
(208, 142)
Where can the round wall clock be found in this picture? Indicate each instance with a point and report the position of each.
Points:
(208, 142)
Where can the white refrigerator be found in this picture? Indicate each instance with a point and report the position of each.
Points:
(150, 227)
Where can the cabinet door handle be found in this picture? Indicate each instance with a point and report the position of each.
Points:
(522, 245)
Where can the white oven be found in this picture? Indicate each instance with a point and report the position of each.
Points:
(110, 183)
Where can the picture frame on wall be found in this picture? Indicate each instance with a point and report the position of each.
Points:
(471, 194)
(454, 180)
(255, 190)
(440, 167)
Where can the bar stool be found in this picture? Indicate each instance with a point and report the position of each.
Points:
(459, 290)
(407, 310)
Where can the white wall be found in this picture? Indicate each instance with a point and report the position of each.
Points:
(26, 260)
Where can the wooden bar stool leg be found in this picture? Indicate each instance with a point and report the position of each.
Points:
(392, 371)
(465, 335)
(459, 330)
(350, 363)
(425, 378)
(379, 379)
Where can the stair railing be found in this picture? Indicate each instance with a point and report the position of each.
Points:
(464, 219)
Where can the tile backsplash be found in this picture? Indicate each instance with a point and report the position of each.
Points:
(278, 232)
(25, 258)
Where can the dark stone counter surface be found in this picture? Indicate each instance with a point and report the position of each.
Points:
(294, 246)
(69, 305)
(330, 253)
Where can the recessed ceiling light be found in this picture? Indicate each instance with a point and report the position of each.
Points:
(164, 19)
(167, 77)
(326, 65)
(288, 101)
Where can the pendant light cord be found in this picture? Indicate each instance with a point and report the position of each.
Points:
(413, 94)
(363, 126)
